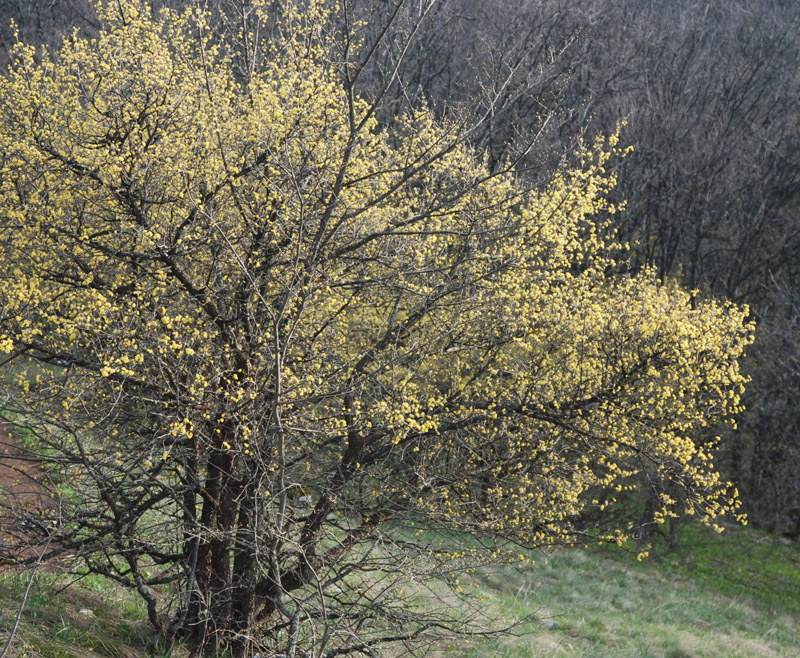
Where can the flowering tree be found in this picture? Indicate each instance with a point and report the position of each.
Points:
(262, 338)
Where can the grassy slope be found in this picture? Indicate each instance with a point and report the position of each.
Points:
(87, 619)
(729, 596)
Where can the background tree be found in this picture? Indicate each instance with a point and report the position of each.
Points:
(268, 338)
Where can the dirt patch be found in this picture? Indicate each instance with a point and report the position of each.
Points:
(27, 514)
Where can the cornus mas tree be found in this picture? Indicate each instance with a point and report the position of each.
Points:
(261, 339)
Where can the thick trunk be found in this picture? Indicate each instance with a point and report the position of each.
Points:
(218, 519)
(244, 576)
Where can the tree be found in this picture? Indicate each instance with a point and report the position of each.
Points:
(269, 339)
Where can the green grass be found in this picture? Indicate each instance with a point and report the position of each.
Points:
(89, 619)
(728, 596)
(714, 597)
(743, 563)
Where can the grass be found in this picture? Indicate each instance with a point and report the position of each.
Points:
(728, 596)
(725, 597)
(742, 564)
(89, 619)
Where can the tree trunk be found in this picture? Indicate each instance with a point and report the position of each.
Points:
(214, 576)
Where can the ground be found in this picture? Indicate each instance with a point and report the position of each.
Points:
(24, 499)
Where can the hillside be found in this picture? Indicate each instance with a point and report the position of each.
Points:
(727, 596)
